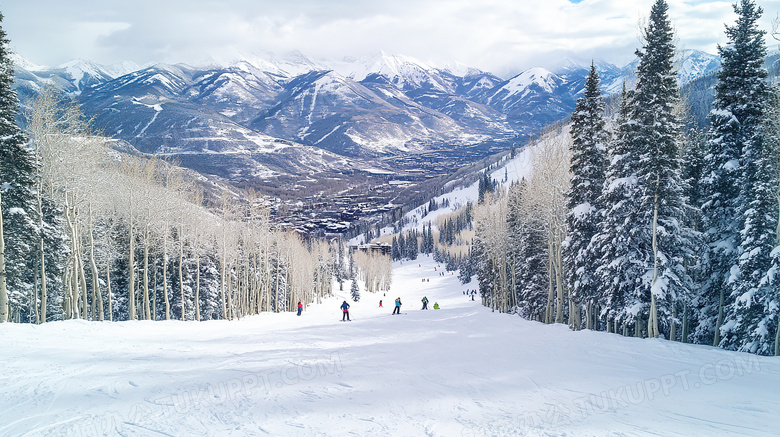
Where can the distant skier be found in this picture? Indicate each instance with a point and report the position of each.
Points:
(436, 305)
(300, 308)
(425, 303)
(397, 309)
(345, 309)
(380, 304)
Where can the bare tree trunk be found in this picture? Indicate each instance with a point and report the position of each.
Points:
(108, 289)
(551, 292)
(777, 338)
(3, 290)
(719, 322)
(97, 297)
(131, 267)
(558, 271)
(588, 315)
(197, 286)
(67, 304)
(652, 321)
(43, 257)
(83, 282)
(165, 273)
(181, 273)
(146, 310)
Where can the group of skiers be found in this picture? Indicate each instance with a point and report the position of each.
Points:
(425, 303)
(396, 310)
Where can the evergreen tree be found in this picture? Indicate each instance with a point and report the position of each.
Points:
(466, 268)
(739, 208)
(19, 205)
(429, 241)
(649, 256)
(694, 151)
(533, 279)
(355, 291)
(412, 245)
(395, 250)
(615, 241)
(588, 166)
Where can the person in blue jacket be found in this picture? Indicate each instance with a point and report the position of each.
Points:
(345, 309)
(397, 309)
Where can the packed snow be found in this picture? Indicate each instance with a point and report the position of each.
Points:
(461, 370)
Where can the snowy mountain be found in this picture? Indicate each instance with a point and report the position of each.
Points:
(72, 77)
(376, 107)
(403, 72)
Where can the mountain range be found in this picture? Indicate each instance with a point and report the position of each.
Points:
(269, 121)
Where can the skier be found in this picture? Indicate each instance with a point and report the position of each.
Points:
(436, 305)
(345, 308)
(397, 309)
(300, 307)
(425, 303)
(380, 304)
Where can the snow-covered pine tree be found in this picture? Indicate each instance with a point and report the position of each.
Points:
(395, 252)
(662, 202)
(355, 291)
(694, 149)
(739, 208)
(741, 109)
(412, 245)
(649, 239)
(429, 241)
(19, 205)
(615, 241)
(588, 166)
(466, 268)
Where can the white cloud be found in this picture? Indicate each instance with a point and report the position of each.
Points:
(503, 36)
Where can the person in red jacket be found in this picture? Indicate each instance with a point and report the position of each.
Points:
(300, 308)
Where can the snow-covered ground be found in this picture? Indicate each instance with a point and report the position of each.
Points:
(457, 371)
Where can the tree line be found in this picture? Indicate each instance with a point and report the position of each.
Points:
(638, 225)
(88, 232)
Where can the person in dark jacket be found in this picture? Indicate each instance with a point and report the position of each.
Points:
(345, 309)
(425, 303)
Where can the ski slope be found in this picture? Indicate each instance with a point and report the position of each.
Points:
(457, 371)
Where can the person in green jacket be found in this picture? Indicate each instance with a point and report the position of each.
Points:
(436, 305)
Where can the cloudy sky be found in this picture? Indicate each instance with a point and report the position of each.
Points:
(502, 36)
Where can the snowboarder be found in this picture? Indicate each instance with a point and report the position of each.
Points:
(345, 309)
(425, 303)
(436, 305)
(397, 309)
(300, 307)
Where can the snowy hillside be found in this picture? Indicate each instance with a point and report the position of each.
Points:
(457, 371)
(514, 169)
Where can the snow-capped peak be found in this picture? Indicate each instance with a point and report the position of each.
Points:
(462, 70)
(401, 70)
(695, 63)
(538, 76)
(21, 61)
(78, 68)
